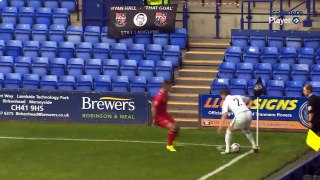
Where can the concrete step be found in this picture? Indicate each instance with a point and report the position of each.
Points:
(204, 54)
(192, 97)
(213, 45)
(187, 122)
(183, 113)
(190, 89)
(199, 62)
(186, 72)
(204, 81)
(185, 105)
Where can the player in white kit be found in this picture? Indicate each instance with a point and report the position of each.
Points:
(242, 118)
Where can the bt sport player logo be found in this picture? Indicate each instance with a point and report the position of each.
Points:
(121, 19)
(140, 19)
(161, 19)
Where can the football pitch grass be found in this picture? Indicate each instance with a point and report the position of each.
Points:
(33, 150)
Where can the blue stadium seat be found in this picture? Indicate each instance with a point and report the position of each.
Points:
(258, 41)
(315, 72)
(172, 53)
(128, 41)
(288, 55)
(294, 89)
(128, 68)
(66, 83)
(93, 67)
(71, 5)
(120, 84)
(17, 3)
(165, 69)
(233, 54)
(105, 38)
(281, 71)
(154, 85)
(318, 56)
(294, 42)
(226, 70)
(58, 66)
(39, 32)
(43, 16)
(31, 81)
(118, 51)
(179, 38)
(61, 16)
(161, 39)
(251, 55)
(13, 80)
(241, 41)
(154, 52)
(144, 39)
(277, 42)
(146, 68)
(23, 32)
(218, 84)
(84, 50)
(1, 80)
(49, 82)
(102, 83)
(244, 71)
(264, 70)
(312, 42)
(34, 3)
(66, 50)
(6, 31)
(13, 48)
(84, 83)
(9, 15)
(101, 51)
(3, 3)
(40, 65)
(57, 32)
(138, 84)
(49, 49)
(22, 65)
(269, 55)
(111, 67)
(300, 72)
(31, 49)
(136, 52)
(52, 4)
(26, 15)
(2, 47)
(75, 66)
(74, 34)
(306, 56)
(6, 64)
(92, 34)
(316, 87)
(275, 88)
(238, 87)
(251, 84)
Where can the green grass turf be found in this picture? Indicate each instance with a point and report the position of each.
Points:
(33, 160)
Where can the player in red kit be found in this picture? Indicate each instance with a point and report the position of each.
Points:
(161, 117)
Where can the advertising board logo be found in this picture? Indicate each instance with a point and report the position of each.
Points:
(108, 103)
(140, 19)
(161, 19)
(121, 19)
(206, 122)
(296, 20)
(303, 114)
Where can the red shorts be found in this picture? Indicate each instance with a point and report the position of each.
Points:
(164, 120)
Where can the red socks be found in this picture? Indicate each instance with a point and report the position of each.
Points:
(171, 137)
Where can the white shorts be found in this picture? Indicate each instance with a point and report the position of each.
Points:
(242, 120)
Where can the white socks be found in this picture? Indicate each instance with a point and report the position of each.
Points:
(228, 139)
(250, 137)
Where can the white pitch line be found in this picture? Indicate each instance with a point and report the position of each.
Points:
(225, 166)
(101, 140)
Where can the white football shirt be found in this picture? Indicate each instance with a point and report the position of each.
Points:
(235, 104)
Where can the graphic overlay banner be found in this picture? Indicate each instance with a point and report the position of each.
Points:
(75, 106)
(274, 113)
(124, 21)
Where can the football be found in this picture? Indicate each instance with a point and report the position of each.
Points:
(235, 147)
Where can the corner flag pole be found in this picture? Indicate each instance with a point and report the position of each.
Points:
(257, 122)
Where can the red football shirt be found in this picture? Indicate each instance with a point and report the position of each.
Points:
(160, 103)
